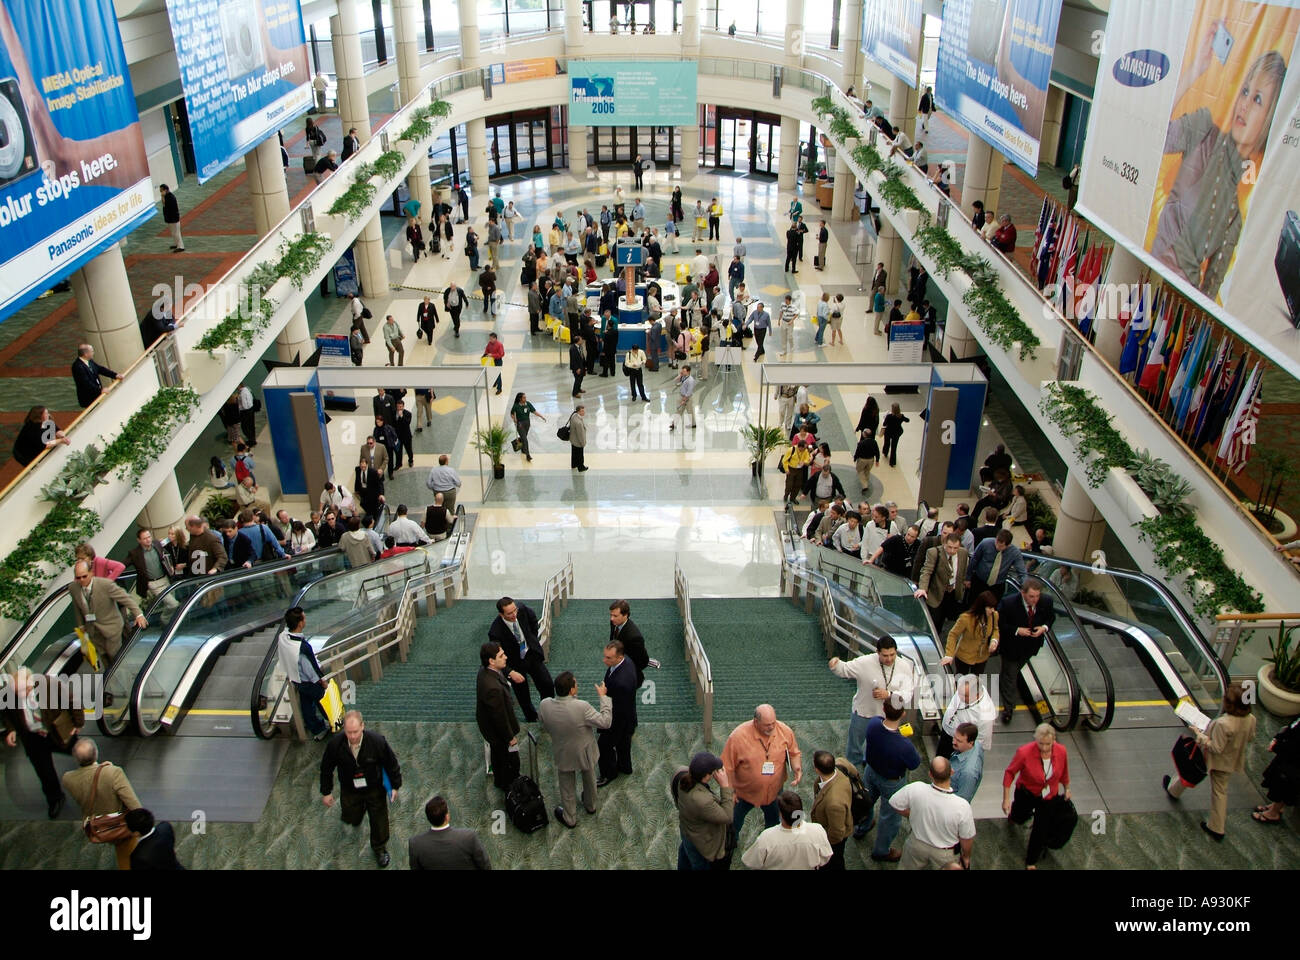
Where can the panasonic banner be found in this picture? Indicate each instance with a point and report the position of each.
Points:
(244, 71)
(995, 59)
(891, 36)
(606, 93)
(1192, 158)
(73, 173)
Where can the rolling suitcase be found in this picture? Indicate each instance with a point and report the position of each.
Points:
(524, 803)
(309, 164)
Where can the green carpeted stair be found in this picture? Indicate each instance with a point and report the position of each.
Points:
(767, 651)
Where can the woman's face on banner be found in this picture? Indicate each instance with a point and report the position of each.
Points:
(1252, 112)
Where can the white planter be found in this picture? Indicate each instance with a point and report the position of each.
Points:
(204, 371)
(1275, 699)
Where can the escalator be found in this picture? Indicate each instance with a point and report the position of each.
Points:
(46, 643)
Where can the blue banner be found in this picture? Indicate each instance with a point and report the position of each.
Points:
(891, 36)
(995, 59)
(609, 93)
(244, 71)
(73, 172)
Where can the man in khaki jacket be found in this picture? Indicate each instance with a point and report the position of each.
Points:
(114, 792)
(95, 604)
(833, 804)
(943, 581)
(572, 724)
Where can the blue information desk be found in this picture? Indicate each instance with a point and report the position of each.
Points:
(632, 328)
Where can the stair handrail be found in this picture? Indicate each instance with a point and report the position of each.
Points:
(696, 659)
(557, 590)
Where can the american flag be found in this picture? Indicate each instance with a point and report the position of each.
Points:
(1234, 448)
(1044, 218)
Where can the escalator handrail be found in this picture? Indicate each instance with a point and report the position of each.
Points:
(221, 579)
(185, 692)
(1204, 649)
(1060, 601)
(20, 635)
(1067, 670)
(1143, 639)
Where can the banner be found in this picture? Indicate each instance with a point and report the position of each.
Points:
(244, 71)
(73, 173)
(609, 93)
(995, 59)
(891, 36)
(1192, 158)
(513, 71)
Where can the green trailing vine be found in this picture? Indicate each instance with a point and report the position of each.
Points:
(23, 579)
(1076, 413)
(147, 433)
(240, 328)
(1181, 548)
(937, 244)
(1000, 321)
(388, 164)
(354, 201)
(300, 257)
(421, 124)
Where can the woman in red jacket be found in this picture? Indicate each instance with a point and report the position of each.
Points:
(1044, 781)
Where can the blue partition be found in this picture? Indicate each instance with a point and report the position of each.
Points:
(970, 413)
(284, 435)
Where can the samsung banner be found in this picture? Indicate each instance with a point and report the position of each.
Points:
(608, 93)
(73, 174)
(1192, 158)
(995, 58)
(244, 71)
(891, 36)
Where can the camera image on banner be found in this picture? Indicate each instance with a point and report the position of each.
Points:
(244, 70)
(73, 173)
(1193, 160)
(891, 36)
(995, 60)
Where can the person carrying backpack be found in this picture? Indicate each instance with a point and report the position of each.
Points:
(265, 545)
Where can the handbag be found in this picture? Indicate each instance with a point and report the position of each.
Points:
(563, 433)
(485, 360)
(627, 371)
(1064, 818)
(257, 404)
(1189, 760)
(366, 314)
(515, 444)
(107, 827)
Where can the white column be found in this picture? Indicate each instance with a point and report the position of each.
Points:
(787, 171)
(842, 207)
(690, 152)
(164, 510)
(476, 145)
(106, 310)
(958, 344)
(983, 175)
(690, 29)
(903, 101)
(1053, 118)
(470, 43)
(889, 251)
(1123, 271)
(1079, 528)
(575, 37)
(794, 34)
(851, 45)
(354, 111)
(578, 151)
(407, 26)
(372, 265)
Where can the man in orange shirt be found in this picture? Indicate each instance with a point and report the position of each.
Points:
(755, 758)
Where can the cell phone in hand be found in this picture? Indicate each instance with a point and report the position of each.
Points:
(1222, 43)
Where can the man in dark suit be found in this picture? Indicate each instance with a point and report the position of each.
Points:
(445, 847)
(156, 847)
(351, 144)
(42, 731)
(615, 743)
(515, 629)
(405, 441)
(622, 628)
(368, 486)
(361, 779)
(1023, 621)
(426, 318)
(86, 373)
(386, 437)
(384, 405)
(942, 582)
(496, 716)
(990, 527)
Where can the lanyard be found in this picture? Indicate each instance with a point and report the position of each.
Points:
(890, 678)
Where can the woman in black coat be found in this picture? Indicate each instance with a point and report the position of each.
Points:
(894, 421)
(869, 419)
(1282, 776)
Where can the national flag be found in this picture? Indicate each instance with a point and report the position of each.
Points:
(1196, 368)
(1149, 378)
(1224, 402)
(1086, 291)
(1044, 217)
(1179, 380)
(1067, 275)
(1043, 269)
(1171, 365)
(1204, 398)
(1239, 438)
(1128, 360)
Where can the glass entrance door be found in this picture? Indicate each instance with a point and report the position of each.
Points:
(499, 152)
(765, 149)
(726, 155)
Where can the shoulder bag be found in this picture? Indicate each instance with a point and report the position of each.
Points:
(106, 827)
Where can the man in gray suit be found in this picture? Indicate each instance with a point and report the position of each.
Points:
(572, 724)
(97, 608)
(444, 847)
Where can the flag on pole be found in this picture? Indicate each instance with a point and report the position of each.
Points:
(1086, 292)
(1067, 274)
(1128, 359)
(1044, 266)
(1239, 438)
(1149, 377)
(1044, 217)
(1196, 368)
(1171, 366)
(1225, 401)
(1203, 399)
(1181, 370)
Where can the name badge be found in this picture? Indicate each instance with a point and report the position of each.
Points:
(359, 781)
(769, 768)
(90, 618)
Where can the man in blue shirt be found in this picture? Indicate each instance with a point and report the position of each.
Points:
(993, 560)
(735, 275)
(967, 761)
(638, 216)
(890, 756)
(760, 320)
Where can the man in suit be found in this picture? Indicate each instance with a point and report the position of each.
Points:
(622, 628)
(570, 723)
(386, 437)
(368, 485)
(515, 630)
(376, 455)
(454, 301)
(384, 405)
(86, 374)
(942, 583)
(351, 144)
(426, 318)
(155, 846)
(495, 715)
(989, 528)
(933, 540)
(95, 603)
(402, 427)
(833, 803)
(1023, 621)
(153, 568)
(113, 792)
(362, 758)
(615, 743)
(993, 561)
(205, 554)
(444, 847)
(41, 729)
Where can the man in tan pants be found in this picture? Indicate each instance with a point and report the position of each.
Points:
(113, 794)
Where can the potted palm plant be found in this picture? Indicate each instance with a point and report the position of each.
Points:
(492, 441)
(1279, 676)
(760, 441)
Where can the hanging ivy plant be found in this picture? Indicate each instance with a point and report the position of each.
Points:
(300, 257)
(1076, 413)
(387, 165)
(148, 432)
(937, 244)
(421, 124)
(240, 329)
(23, 576)
(1000, 321)
(354, 201)
(1181, 548)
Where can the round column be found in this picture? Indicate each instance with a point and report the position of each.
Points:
(851, 45)
(889, 251)
(476, 138)
(842, 190)
(690, 28)
(164, 510)
(794, 36)
(983, 176)
(1053, 118)
(1079, 528)
(1113, 296)
(267, 189)
(470, 42)
(575, 37)
(958, 344)
(903, 101)
(690, 152)
(578, 151)
(407, 22)
(354, 111)
(106, 310)
(787, 171)
(372, 265)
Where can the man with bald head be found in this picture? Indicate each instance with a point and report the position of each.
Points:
(96, 603)
(755, 760)
(362, 758)
(941, 821)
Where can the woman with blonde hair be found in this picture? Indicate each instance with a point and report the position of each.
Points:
(1040, 773)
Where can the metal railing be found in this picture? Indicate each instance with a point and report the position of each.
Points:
(1230, 628)
(696, 659)
(555, 592)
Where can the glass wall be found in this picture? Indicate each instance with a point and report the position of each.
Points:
(445, 17)
(503, 18)
(821, 23)
(440, 33)
(643, 16)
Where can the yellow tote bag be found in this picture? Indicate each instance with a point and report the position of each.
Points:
(485, 361)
